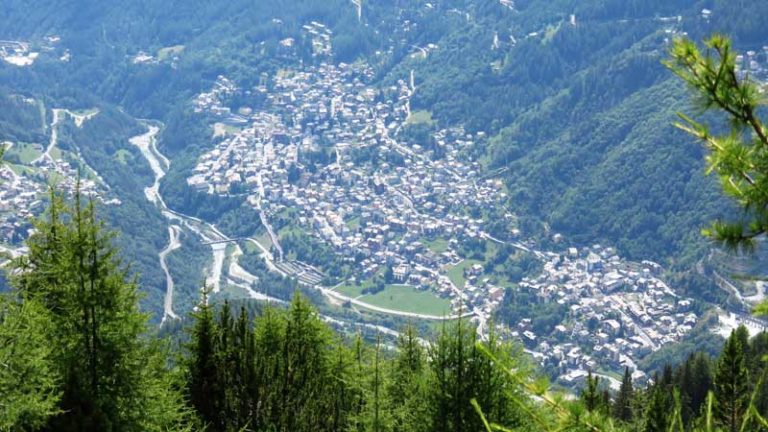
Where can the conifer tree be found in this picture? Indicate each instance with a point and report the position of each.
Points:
(406, 388)
(659, 406)
(739, 158)
(269, 334)
(341, 390)
(742, 334)
(461, 372)
(731, 386)
(201, 363)
(622, 408)
(376, 412)
(693, 381)
(590, 395)
(700, 383)
(111, 375)
(245, 366)
(28, 380)
(304, 372)
(757, 365)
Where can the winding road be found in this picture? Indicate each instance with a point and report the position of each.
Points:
(236, 274)
(58, 113)
(147, 145)
(330, 293)
(173, 244)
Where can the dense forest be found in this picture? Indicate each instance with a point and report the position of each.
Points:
(618, 91)
(572, 112)
(77, 355)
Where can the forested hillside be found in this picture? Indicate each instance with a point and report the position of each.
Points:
(566, 102)
(560, 102)
(78, 355)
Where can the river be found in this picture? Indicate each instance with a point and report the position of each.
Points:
(147, 144)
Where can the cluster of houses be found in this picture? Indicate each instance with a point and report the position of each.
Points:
(375, 200)
(753, 64)
(17, 53)
(330, 147)
(22, 187)
(20, 194)
(320, 38)
(19, 202)
(618, 311)
(212, 101)
(22, 53)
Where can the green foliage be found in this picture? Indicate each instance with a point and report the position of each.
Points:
(740, 157)
(517, 305)
(109, 373)
(407, 387)
(731, 386)
(622, 407)
(29, 382)
(658, 417)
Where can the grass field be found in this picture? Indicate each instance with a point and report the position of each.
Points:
(169, 52)
(438, 245)
(456, 273)
(352, 290)
(265, 240)
(123, 156)
(25, 152)
(421, 116)
(288, 230)
(250, 248)
(21, 169)
(56, 153)
(408, 299)
(353, 223)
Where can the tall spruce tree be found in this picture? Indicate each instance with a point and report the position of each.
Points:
(376, 414)
(269, 337)
(341, 391)
(201, 364)
(693, 380)
(659, 408)
(591, 395)
(28, 379)
(731, 385)
(112, 377)
(622, 407)
(462, 369)
(304, 373)
(406, 388)
(758, 368)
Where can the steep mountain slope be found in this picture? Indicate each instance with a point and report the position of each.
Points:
(571, 94)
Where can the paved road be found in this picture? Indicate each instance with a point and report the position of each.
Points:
(173, 244)
(58, 114)
(265, 222)
(342, 297)
(208, 232)
(147, 144)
